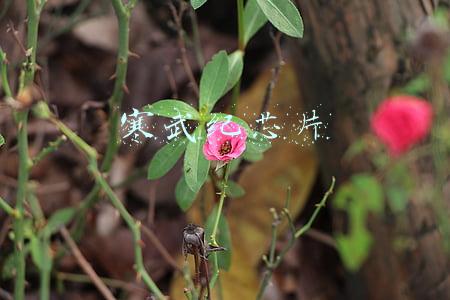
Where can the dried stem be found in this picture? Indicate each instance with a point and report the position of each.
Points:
(274, 260)
(177, 17)
(114, 283)
(84, 264)
(160, 247)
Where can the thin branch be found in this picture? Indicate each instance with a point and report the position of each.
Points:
(181, 44)
(132, 224)
(114, 283)
(160, 247)
(87, 268)
(273, 262)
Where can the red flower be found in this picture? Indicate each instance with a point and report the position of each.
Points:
(402, 121)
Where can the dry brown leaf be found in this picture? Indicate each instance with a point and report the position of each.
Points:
(265, 183)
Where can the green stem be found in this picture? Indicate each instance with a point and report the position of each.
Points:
(273, 262)
(123, 13)
(126, 216)
(7, 208)
(134, 227)
(219, 209)
(44, 277)
(215, 273)
(22, 136)
(319, 206)
(4, 74)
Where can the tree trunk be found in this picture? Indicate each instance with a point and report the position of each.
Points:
(349, 57)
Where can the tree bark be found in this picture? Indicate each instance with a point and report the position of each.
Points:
(351, 53)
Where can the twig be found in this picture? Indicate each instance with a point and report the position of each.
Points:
(52, 147)
(267, 96)
(114, 283)
(196, 37)
(187, 67)
(8, 209)
(84, 264)
(171, 79)
(274, 261)
(5, 295)
(160, 247)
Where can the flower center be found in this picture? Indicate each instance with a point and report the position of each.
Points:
(225, 148)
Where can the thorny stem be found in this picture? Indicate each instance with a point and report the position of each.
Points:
(126, 216)
(274, 261)
(22, 139)
(123, 13)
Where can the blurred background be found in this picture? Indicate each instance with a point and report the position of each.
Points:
(353, 55)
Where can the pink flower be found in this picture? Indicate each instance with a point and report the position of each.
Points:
(226, 141)
(402, 121)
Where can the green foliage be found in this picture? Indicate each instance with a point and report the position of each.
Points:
(223, 238)
(398, 186)
(254, 19)
(172, 108)
(41, 253)
(236, 65)
(196, 166)
(58, 219)
(2, 140)
(283, 14)
(214, 80)
(166, 158)
(418, 85)
(359, 197)
(184, 195)
(197, 3)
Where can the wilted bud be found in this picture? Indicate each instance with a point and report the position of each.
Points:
(193, 239)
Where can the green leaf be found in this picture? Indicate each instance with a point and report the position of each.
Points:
(358, 197)
(172, 109)
(184, 195)
(283, 14)
(166, 157)
(58, 219)
(234, 190)
(252, 156)
(236, 65)
(40, 253)
(221, 117)
(197, 3)
(223, 238)
(254, 19)
(213, 81)
(196, 166)
(418, 85)
(2, 140)
(258, 142)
